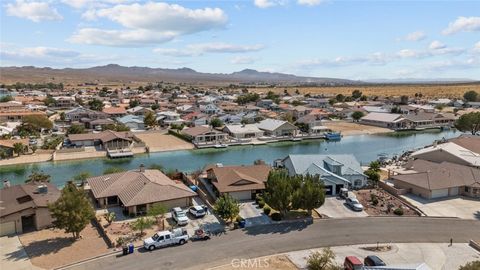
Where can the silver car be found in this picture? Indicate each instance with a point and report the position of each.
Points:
(354, 204)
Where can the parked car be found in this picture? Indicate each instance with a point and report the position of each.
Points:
(352, 263)
(344, 194)
(373, 260)
(178, 236)
(354, 204)
(197, 211)
(200, 234)
(179, 216)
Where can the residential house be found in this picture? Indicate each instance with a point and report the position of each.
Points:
(139, 110)
(240, 182)
(168, 118)
(386, 120)
(210, 109)
(115, 112)
(7, 146)
(64, 102)
(204, 135)
(247, 131)
(138, 190)
(336, 171)
(24, 207)
(106, 140)
(134, 122)
(84, 116)
(450, 152)
(277, 128)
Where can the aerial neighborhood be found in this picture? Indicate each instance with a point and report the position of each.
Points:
(150, 204)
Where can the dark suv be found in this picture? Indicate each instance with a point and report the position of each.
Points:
(373, 260)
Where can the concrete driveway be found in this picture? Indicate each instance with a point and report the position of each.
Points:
(253, 215)
(336, 208)
(12, 254)
(460, 207)
(436, 256)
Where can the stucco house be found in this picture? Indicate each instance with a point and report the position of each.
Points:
(277, 128)
(243, 131)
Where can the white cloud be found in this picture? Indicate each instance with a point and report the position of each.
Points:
(149, 23)
(34, 11)
(476, 47)
(408, 53)
(415, 36)
(268, 3)
(376, 58)
(310, 2)
(465, 24)
(435, 48)
(202, 48)
(435, 45)
(243, 60)
(78, 4)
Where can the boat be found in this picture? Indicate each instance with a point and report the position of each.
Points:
(333, 136)
(220, 146)
(296, 139)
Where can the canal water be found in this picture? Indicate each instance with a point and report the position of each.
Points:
(365, 148)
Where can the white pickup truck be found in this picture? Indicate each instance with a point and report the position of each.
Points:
(177, 236)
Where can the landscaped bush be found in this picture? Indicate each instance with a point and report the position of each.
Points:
(375, 201)
(398, 211)
(276, 217)
(267, 210)
(258, 198)
(239, 219)
(261, 204)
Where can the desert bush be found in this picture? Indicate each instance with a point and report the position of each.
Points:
(267, 210)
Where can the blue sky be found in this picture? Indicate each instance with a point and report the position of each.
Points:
(325, 38)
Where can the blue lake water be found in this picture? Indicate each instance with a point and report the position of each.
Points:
(365, 147)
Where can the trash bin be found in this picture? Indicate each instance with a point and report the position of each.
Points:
(241, 223)
(125, 250)
(130, 248)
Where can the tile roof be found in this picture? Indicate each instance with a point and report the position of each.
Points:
(301, 163)
(453, 149)
(240, 178)
(135, 187)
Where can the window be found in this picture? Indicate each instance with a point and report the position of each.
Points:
(467, 189)
(161, 238)
(357, 183)
(167, 237)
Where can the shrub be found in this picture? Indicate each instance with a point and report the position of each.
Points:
(398, 211)
(276, 217)
(258, 198)
(375, 201)
(239, 219)
(267, 210)
(261, 204)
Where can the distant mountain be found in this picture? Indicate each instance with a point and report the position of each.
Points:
(117, 73)
(421, 80)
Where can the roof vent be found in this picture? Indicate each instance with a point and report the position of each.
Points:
(42, 189)
(142, 168)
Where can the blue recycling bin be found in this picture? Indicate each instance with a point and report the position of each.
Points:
(131, 248)
(241, 223)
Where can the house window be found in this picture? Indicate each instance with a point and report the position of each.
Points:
(467, 189)
(357, 183)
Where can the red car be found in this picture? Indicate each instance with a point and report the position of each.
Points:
(352, 263)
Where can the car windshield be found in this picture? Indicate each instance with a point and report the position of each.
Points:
(180, 214)
(199, 210)
(155, 237)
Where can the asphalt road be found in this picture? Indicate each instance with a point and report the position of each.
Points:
(271, 239)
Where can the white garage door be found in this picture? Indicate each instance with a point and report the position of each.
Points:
(242, 195)
(454, 191)
(438, 193)
(7, 228)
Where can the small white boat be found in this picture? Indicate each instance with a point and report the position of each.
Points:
(296, 139)
(220, 146)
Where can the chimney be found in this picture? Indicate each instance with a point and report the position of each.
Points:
(6, 184)
(142, 168)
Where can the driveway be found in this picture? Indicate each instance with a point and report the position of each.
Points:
(253, 215)
(12, 254)
(460, 207)
(436, 256)
(336, 208)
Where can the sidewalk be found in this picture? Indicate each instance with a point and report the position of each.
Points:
(13, 256)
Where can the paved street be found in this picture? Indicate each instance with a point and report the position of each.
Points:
(278, 238)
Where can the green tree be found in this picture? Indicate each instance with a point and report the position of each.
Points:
(19, 148)
(62, 116)
(340, 98)
(133, 103)
(72, 211)
(310, 195)
(110, 217)
(6, 98)
(82, 177)
(279, 191)
(227, 207)
(356, 94)
(76, 129)
(50, 101)
(96, 105)
(158, 212)
(373, 176)
(38, 177)
(475, 265)
(322, 260)
(113, 170)
(150, 119)
(37, 122)
(155, 107)
(470, 96)
(215, 122)
(374, 165)
(404, 100)
(469, 122)
(141, 224)
(357, 115)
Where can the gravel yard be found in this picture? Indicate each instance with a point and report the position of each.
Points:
(384, 200)
(349, 128)
(52, 248)
(158, 141)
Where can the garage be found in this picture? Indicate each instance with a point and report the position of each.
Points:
(241, 195)
(7, 228)
(453, 191)
(328, 190)
(439, 193)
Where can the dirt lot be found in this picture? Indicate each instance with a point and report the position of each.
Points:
(384, 199)
(158, 141)
(349, 128)
(280, 262)
(427, 90)
(51, 248)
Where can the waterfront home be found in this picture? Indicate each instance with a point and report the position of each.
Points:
(247, 131)
(7, 146)
(240, 182)
(450, 152)
(104, 140)
(24, 207)
(336, 171)
(134, 122)
(136, 191)
(204, 135)
(433, 180)
(168, 118)
(422, 120)
(277, 128)
(470, 142)
(386, 120)
(18, 115)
